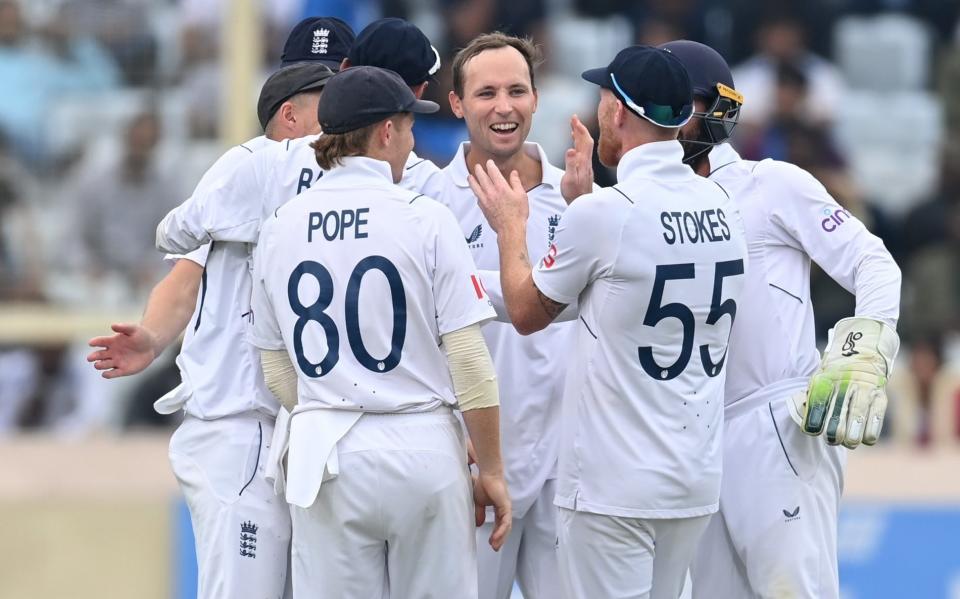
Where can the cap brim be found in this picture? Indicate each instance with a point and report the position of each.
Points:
(318, 84)
(423, 107)
(597, 77)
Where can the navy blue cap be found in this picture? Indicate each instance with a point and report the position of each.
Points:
(397, 45)
(652, 83)
(323, 39)
(361, 96)
(704, 65)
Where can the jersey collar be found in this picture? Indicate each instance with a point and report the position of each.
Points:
(662, 160)
(360, 167)
(551, 174)
(722, 155)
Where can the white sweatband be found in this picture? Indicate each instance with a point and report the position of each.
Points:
(280, 376)
(474, 379)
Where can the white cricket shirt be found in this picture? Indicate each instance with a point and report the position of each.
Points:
(530, 370)
(220, 372)
(233, 208)
(657, 264)
(357, 279)
(790, 220)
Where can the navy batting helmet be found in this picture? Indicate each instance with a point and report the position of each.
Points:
(711, 80)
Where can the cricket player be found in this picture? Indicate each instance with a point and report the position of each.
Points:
(788, 413)
(494, 92)
(234, 209)
(367, 308)
(657, 265)
(242, 529)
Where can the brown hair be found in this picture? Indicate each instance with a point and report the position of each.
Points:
(494, 41)
(331, 148)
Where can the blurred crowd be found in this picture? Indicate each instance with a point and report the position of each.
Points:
(112, 110)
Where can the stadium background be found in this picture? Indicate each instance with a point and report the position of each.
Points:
(111, 109)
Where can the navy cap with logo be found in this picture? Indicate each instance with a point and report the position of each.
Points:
(651, 82)
(397, 45)
(287, 82)
(323, 39)
(361, 96)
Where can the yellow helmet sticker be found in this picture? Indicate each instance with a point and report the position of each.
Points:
(729, 92)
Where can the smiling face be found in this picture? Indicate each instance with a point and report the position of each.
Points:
(498, 101)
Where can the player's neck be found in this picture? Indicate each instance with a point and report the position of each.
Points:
(528, 167)
(701, 165)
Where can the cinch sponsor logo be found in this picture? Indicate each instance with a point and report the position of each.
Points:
(834, 218)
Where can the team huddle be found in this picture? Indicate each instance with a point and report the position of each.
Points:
(405, 381)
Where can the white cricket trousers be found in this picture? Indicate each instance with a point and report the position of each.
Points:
(613, 557)
(397, 521)
(776, 532)
(241, 527)
(529, 555)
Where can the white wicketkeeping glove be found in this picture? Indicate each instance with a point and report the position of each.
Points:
(847, 397)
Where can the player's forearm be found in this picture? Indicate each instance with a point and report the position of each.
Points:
(494, 291)
(475, 386)
(280, 376)
(171, 304)
(516, 279)
(483, 425)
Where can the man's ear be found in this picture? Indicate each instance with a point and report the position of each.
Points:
(420, 89)
(345, 64)
(287, 114)
(619, 114)
(456, 104)
(387, 132)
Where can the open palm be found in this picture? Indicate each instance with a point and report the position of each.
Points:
(127, 352)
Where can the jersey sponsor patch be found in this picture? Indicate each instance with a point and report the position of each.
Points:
(833, 218)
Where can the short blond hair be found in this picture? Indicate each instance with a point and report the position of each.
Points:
(331, 148)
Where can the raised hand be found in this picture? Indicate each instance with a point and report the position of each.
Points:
(503, 202)
(132, 349)
(578, 163)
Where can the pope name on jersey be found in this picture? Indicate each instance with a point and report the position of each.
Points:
(353, 249)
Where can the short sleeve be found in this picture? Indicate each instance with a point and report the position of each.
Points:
(457, 289)
(264, 333)
(198, 256)
(585, 249)
(226, 210)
